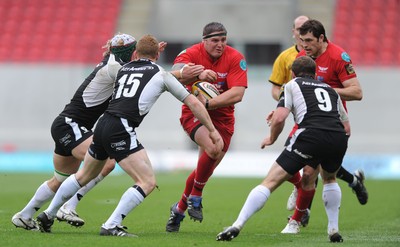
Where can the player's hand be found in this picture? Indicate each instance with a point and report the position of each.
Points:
(266, 142)
(161, 46)
(269, 117)
(208, 75)
(200, 97)
(217, 140)
(192, 70)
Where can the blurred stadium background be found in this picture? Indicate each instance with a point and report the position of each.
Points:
(48, 47)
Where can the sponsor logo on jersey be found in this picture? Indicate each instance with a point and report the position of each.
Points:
(243, 64)
(349, 69)
(320, 78)
(323, 69)
(222, 75)
(137, 68)
(345, 56)
(314, 84)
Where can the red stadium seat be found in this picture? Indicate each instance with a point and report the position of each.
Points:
(54, 31)
(368, 31)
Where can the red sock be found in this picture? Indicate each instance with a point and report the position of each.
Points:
(295, 180)
(182, 204)
(204, 170)
(303, 200)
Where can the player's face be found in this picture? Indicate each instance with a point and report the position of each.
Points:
(215, 46)
(313, 46)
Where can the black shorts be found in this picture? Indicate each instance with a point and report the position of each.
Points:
(115, 138)
(314, 147)
(67, 134)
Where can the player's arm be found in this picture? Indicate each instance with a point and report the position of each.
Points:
(187, 73)
(351, 90)
(275, 91)
(230, 97)
(344, 118)
(277, 124)
(200, 112)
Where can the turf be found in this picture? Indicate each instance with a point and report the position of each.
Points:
(375, 224)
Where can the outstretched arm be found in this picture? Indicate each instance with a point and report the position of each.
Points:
(187, 73)
(277, 123)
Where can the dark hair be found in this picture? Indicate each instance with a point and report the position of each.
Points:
(313, 26)
(213, 27)
(304, 67)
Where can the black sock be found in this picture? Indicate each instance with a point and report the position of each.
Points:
(344, 175)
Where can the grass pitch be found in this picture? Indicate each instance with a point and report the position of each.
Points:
(375, 224)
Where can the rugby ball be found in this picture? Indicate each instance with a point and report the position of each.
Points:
(207, 89)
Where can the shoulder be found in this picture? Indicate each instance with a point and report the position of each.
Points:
(302, 53)
(192, 49)
(337, 53)
(234, 57)
(288, 55)
(290, 51)
(232, 52)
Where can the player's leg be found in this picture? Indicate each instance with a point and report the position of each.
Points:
(138, 167)
(207, 162)
(64, 166)
(296, 181)
(68, 212)
(92, 167)
(332, 195)
(256, 200)
(356, 182)
(304, 198)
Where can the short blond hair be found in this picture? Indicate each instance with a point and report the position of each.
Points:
(147, 47)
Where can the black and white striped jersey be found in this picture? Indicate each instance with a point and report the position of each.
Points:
(138, 86)
(314, 104)
(93, 95)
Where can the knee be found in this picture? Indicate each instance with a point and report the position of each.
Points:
(55, 182)
(307, 181)
(214, 153)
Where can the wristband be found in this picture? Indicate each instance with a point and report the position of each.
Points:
(206, 104)
(181, 72)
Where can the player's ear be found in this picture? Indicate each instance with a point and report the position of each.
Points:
(134, 55)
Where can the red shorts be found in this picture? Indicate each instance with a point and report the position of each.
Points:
(225, 128)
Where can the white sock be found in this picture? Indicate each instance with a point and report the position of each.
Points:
(254, 202)
(73, 202)
(129, 200)
(67, 189)
(42, 195)
(332, 196)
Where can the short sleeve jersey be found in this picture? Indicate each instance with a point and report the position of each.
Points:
(93, 95)
(334, 66)
(231, 69)
(138, 86)
(282, 68)
(314, 104)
